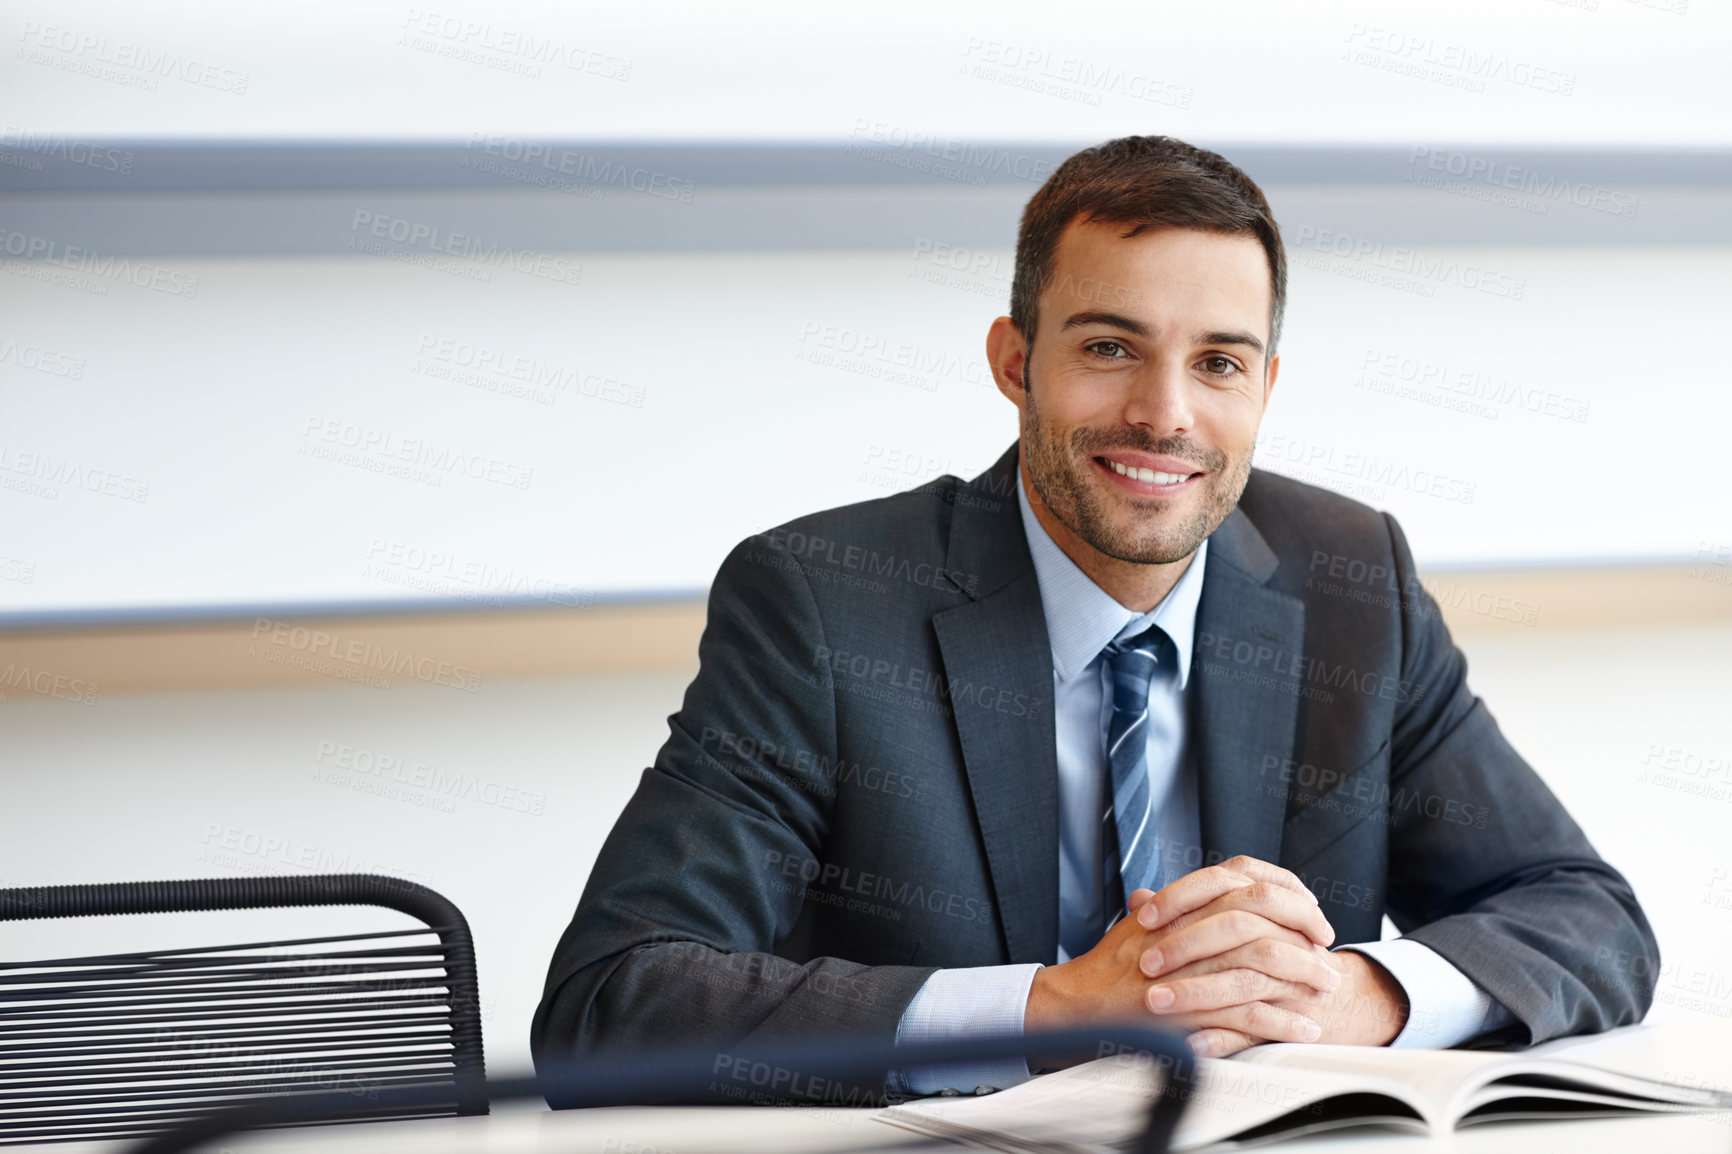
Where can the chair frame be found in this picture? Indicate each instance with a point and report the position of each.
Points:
(456, 947)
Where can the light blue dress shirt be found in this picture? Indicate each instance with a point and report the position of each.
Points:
(1081, 620)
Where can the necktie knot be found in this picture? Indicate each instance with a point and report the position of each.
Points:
(1133, 663)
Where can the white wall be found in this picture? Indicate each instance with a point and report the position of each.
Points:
(709, 396)
(1585, 71)
(221, 784)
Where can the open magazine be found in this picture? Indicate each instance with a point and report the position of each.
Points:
(1274, 1092)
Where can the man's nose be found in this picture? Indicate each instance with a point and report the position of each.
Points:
(1161, 399)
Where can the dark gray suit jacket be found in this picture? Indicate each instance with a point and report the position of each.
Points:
(860, 785)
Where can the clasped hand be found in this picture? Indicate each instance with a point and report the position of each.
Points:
(1235, 954)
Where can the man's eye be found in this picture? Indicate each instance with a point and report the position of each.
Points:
(1108, 348)
(1220, 366)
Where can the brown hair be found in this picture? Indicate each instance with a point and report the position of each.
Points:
(1145, 182)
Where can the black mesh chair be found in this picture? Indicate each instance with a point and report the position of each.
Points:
(121, 1045)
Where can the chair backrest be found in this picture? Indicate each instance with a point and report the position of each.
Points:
(123, 1044)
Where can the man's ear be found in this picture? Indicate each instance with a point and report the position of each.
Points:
(1007, 354)
(1269, 382)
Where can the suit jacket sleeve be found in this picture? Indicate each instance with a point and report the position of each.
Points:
(1515, 898)
(675, 937)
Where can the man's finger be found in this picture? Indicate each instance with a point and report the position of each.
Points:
(1261, 1021)
(1215, 934)
(1200, 887)
(1275, 902)
(1221, 989)
(1191, 892)
(1258, 870)
(1305, 965)
(1283, 907)
(1217, 1042)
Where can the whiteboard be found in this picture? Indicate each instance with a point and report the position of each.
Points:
(361, 431)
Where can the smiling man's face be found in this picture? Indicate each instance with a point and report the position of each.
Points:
(1147, 381)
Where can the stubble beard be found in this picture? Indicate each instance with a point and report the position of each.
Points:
(1061, 470)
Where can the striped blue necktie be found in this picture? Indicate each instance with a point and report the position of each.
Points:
(1132, 854)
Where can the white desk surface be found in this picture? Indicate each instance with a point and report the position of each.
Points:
(1685, 1049)
(752, 1130)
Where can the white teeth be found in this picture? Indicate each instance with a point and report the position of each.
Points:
(1148, 474)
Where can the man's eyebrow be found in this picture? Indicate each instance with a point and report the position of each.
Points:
(1113, 320)
(1229, 338)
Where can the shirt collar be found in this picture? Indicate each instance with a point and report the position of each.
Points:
(1082, 618)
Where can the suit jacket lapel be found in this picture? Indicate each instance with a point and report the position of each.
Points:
(998, 668)
(1246, 678)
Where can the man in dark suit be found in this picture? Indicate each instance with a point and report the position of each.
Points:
(1120, 728)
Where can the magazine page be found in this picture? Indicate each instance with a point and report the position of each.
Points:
(1272, 1092)
(1623, 1070)
(1104, 1105)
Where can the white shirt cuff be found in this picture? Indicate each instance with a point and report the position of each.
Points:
(1444, 1006)
(967, 1003)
